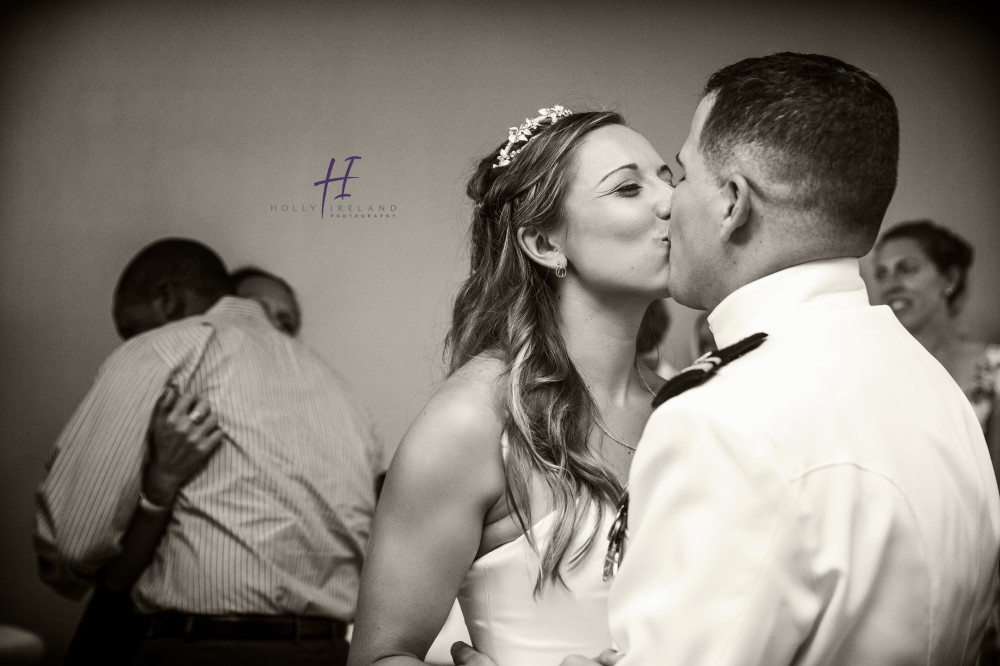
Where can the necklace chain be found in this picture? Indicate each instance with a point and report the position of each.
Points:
(608, 433)
(599, 421)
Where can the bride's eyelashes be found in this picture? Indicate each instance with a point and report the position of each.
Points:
(631, 189)
(628, 190)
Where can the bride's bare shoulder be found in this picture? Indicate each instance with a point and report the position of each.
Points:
(476, 386)
(464, 415)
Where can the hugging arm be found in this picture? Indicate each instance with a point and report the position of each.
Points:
(178, 449)
(92, 481)
(444, 479)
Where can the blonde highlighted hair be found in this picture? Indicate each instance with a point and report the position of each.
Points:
(506, 309)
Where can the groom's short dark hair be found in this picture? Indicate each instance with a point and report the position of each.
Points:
(825, 130)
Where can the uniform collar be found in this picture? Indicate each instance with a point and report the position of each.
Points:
(757, 306)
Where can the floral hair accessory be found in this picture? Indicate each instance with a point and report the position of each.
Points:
(521, 135)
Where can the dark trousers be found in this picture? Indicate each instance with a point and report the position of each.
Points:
(109, 632)
(243, 652)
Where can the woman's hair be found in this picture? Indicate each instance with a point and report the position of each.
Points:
(250, 271)
(506, 310)
(946, 250)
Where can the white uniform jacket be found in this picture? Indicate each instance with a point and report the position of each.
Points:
(826, 499)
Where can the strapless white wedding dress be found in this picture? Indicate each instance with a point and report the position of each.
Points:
(514, 627)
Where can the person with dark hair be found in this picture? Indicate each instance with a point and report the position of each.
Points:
(273, 293)
(921, 272)
(261, 549)
(818, 491)
(816, 485)
(169, 280)
(504, 487)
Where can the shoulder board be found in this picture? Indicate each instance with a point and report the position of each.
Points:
(702, 370)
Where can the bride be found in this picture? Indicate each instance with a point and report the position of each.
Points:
(503, 490)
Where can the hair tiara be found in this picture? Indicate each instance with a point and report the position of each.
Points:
(521, 135)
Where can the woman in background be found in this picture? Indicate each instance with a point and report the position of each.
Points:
(273, 293)
(503, 489)
(921, 272)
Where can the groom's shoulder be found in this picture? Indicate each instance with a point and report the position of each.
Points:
(794, 367)
(821, 374)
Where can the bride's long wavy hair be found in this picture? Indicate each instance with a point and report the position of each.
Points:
(506, 310)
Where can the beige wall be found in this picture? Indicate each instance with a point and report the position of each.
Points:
(122, 125)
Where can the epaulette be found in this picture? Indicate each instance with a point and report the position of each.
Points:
(696, 374)
(702, 369)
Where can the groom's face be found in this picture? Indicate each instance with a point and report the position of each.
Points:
(698, 206)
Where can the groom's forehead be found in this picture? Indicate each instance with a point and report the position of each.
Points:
(692, 145)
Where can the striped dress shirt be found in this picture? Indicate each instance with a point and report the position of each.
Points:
(278, 520)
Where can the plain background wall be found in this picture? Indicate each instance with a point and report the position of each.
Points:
(122, 124)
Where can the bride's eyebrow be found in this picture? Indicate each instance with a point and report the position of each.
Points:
(632, 165)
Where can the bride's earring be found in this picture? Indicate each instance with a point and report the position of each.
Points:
(561, 269)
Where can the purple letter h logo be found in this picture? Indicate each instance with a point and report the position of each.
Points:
(343, 185)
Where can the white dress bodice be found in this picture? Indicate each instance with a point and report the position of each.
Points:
(513, 626)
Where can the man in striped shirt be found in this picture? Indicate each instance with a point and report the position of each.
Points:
(263, 548)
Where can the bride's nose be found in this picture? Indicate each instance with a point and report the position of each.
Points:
(663, 203)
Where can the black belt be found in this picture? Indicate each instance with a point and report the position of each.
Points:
(244, 627)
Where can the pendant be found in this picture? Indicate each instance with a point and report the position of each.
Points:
(616, 540)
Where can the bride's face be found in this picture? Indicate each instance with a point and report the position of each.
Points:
(615, 214)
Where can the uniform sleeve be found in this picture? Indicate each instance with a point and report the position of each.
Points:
(89, 493)
(714, 571)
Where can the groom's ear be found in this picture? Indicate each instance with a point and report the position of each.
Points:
(738, 207)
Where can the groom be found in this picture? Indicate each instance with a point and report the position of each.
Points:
(827, 498)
